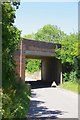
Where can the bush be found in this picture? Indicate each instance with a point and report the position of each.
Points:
(70, 76)
(0, 103)
(16, 102)
(15, 95)
(66, 76)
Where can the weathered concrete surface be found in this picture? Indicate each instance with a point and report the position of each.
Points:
(53, 103)
(51, 70)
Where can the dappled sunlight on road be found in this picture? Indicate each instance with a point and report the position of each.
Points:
(38, 109)
(53, 103)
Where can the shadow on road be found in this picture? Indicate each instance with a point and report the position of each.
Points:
(39, 111)
(39, 84)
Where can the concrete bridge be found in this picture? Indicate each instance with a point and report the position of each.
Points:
(51, 69)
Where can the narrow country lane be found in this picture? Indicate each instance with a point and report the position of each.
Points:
(53, 103)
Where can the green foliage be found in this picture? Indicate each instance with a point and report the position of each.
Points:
(68, 54)
(15, 95)
(78, 70)
(66, 76)
(16, 102)
(69, 50)
(50, 33)
(1, 103)
(73, 76)
(10, 40)
(33, 65)
(30, 36)
(71, 86)
(70, 76)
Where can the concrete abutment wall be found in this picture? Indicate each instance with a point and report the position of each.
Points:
(51, 70)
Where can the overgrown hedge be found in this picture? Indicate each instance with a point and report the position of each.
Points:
(16, 102)
(15, 95)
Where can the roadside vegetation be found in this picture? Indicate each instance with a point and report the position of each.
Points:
(73, 86)
(15, 95)
(71, 83)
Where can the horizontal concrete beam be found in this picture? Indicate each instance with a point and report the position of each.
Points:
(33, 45)
(39, 53)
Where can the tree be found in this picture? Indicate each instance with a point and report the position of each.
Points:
(50, 33)
(69, 51)
(69, 55)
(15, 95)
(30, 36)
(10, 40)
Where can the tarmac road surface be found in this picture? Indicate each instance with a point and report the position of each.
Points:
(52, 103)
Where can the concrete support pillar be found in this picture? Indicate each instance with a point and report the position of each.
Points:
(19, 58)
(17, 61)
(22, 62)
(57, 71)
(46, 70)
(51, 70)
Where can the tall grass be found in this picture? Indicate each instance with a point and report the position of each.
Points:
(73, 86)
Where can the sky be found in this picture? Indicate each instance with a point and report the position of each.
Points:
(31, 16)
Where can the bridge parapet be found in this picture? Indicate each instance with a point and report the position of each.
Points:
(40, 46)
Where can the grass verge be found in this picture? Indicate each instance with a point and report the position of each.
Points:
(73, 86)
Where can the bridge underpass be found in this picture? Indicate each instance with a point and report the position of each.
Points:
(46, 103)
(51, 69)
